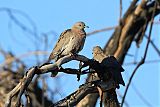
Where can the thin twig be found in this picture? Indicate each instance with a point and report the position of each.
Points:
(154, 46)
(44, 87)
(141, 96)
(120, 96)
(156, 22)
(120, 10)
(23, 56)
(12, 15)
(146, 62)
(136, 55)
(101, 30)
(28, 99)
(143, 59)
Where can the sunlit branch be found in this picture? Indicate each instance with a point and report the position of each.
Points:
(145, 54)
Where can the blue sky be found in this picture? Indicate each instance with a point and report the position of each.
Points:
(56, 16)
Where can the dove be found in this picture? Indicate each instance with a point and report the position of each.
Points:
(71, 41)
(110, 63)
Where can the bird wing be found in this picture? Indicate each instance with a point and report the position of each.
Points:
(62, 41)
(82, 43)
(115, 68)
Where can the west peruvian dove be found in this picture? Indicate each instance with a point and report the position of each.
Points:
(110, 63)
(71, 41)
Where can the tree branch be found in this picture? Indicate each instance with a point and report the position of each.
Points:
(23, 84)
(123, 36)
(154, 46)
(101, 30)
(56, 67)
(144, 57)
(84, 90)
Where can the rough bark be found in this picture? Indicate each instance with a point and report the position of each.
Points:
(131, 28)
(134, 22)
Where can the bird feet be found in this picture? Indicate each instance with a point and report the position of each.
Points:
(73, 54)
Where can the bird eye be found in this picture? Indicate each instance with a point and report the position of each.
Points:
(80, 25)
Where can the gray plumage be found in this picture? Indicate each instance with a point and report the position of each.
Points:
(110, 64)
(71, 41)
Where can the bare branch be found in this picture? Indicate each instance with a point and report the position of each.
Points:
(10, 60)
(145, 54)
(22, 86)
(101, 30)
(120, 95)
(84, 90)
(123, 36)
(146, 62)
(103, 83)
(154, 46)
(11, 12)
(120, 9)
(141, 96)
(127, 27)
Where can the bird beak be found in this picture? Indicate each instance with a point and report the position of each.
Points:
(86, 26)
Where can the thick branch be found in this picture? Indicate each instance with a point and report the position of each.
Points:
(45, 68)
(143, 59)
(102, 82)
(132, 23)
(22, 86)
(85, 89)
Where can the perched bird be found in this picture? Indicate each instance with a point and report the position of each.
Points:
(110, 64)
(71, 41)
(98, 54)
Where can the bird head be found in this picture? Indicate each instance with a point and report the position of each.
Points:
(97, 49)
(80, 25)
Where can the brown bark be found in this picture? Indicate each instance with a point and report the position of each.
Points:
(132, 26)
(134, 22)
